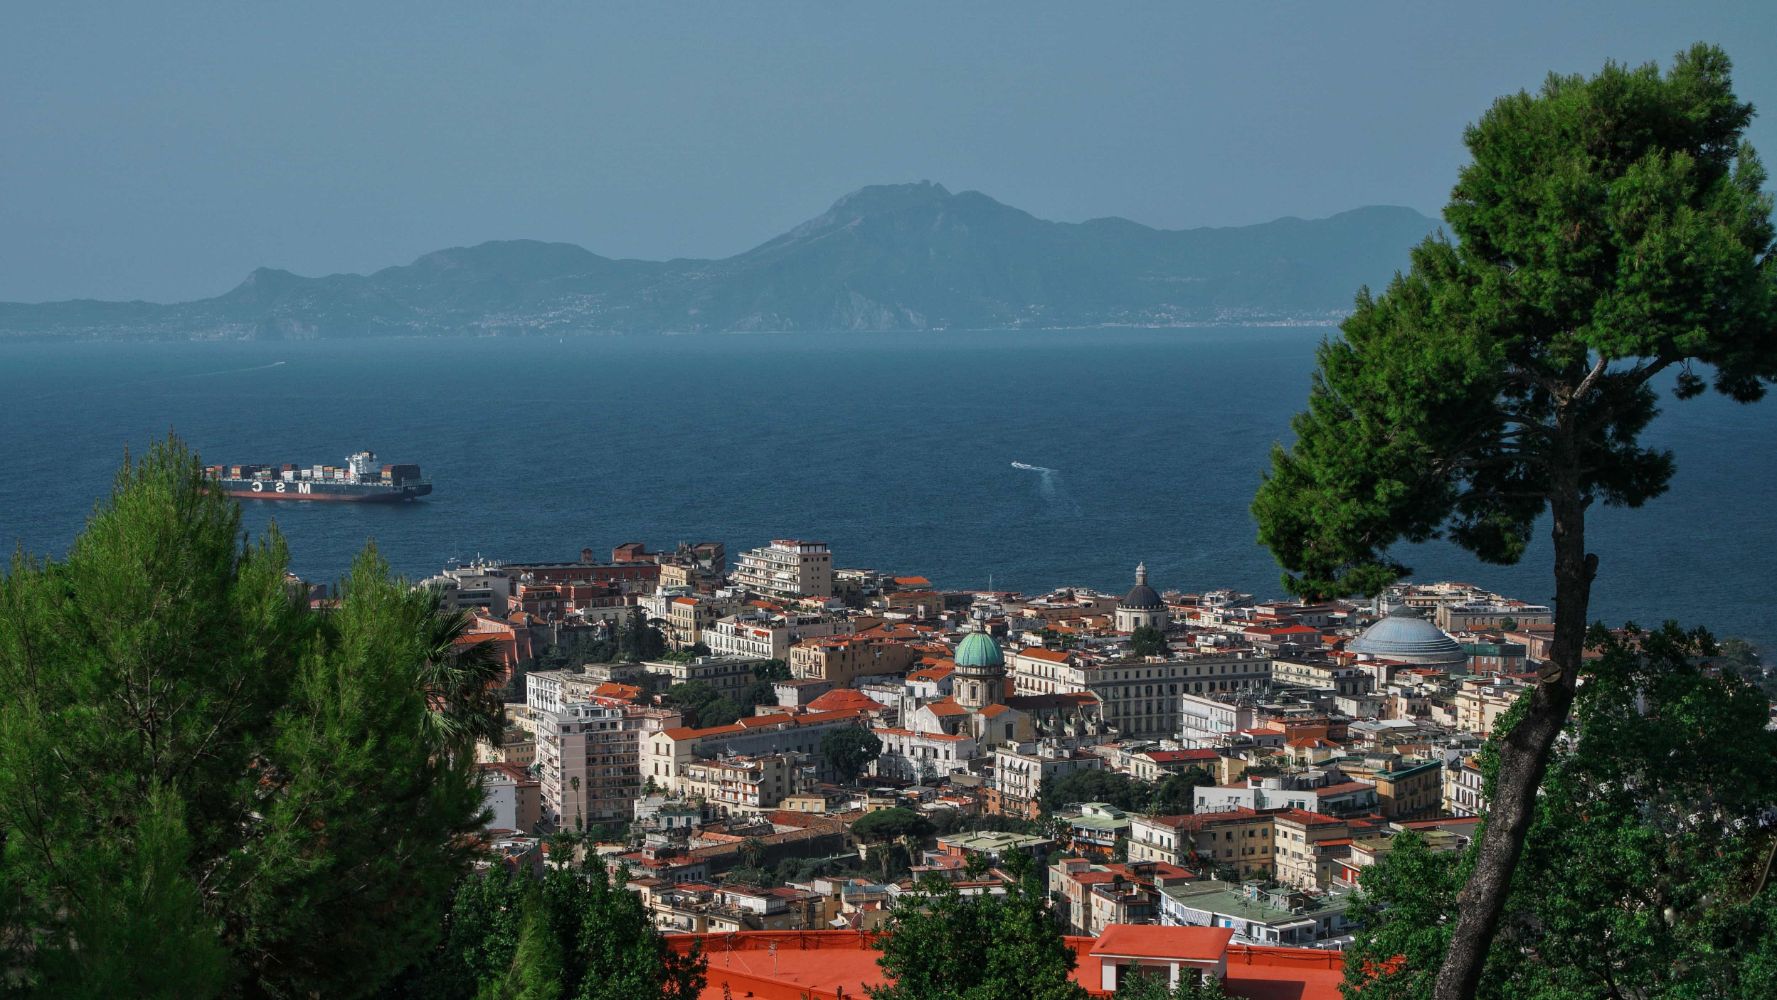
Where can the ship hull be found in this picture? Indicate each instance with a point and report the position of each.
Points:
(328, 492)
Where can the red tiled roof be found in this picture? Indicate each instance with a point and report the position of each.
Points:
(1195, 944)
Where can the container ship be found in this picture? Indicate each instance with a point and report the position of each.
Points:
(360, 480)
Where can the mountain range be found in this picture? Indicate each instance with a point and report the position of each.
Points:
(889, 257)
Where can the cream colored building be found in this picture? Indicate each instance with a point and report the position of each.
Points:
(786, 569)
(1308, 848)
(1482, 700)
(740, 786)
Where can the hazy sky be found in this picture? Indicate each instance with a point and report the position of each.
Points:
(163, 150)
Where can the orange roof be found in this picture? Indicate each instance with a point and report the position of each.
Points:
(840, 699)
(936, 673)
(818, 965)
(1041, 653)
(946, 706)
(1192, 944)
(912, 581)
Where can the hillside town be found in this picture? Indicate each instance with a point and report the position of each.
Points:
(784, 745)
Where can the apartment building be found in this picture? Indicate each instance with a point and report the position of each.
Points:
(727, 673)
(586, 763)
(786, 569)
(1257, 916)
(1409, 790)
(1206, 721)
(667, 753)
(1308, 847)
(1322, 675)
(1140, 698)
(916, 756)
(742, 786)
(1019, 771)
(766, 635)
(1239, 838)
(1480, 701)
(1463, 787)
(841, 659)
(512, 796)
(1473, 616)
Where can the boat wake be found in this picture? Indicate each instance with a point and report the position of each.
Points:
(1050, 488)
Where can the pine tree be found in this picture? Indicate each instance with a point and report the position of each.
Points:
(1610, 231)
(202, 782)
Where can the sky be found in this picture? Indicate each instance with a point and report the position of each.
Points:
(162, 151)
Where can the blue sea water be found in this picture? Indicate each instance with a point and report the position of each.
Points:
(896, 449)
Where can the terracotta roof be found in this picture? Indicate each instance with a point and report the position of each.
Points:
(1175, 756)
(1307, 818)
(840, 699)
(1194, 944)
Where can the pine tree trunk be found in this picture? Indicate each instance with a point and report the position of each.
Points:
(1524, 757)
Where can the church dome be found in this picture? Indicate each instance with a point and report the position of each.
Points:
(979, 650)
(1406, 636)
(1141, 597)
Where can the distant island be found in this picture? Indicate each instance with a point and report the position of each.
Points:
(884, 258)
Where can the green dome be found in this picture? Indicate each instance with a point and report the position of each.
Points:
(979, 650)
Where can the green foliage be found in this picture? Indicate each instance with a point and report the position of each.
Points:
(575, 933)
(848, 750)
(1147, 641)
(945, 946)
(1152, 986)
(1608, 229)
(1643, 860)
(702, 704)
(640, 639)
(1169, 796)
(891, 824)
(204, 786)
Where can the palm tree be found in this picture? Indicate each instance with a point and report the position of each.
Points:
(752, 851)
(461, 680)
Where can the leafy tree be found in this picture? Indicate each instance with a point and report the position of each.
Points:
(886, 825)
(1095, 785)
(1609, 230)
(946, 946)
(1172, 794)
(1642, 877)
(1152, 986)
(848, 750)
(481, 934)
(702, 704)
(203, 784)
(1147, 641)
(639, 638)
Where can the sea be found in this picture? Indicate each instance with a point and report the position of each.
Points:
(1017, 460)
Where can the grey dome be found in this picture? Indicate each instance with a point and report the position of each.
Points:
(1142, 597)
(1406, 636)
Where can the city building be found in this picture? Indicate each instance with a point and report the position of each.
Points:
(768, 635)
(512, 796)
(1405, 636)
(1256, 915)
(1307, 848)
(786, 569)
(1241, 839)
(1142, 606)
(1019, 771)
(741, 786)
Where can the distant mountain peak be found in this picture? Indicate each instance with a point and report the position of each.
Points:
(876, 197)
(884, 257)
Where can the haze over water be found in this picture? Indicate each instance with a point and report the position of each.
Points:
(896, 449)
